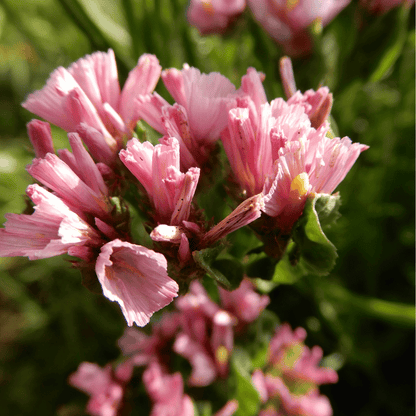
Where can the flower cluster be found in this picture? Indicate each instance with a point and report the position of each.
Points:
(288, 385)
(280, 155)
(288, 22)
(199, 330)
(204, 333)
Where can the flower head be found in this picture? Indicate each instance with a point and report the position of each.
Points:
(88, 93)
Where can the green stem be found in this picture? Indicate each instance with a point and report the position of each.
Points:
(394, 312)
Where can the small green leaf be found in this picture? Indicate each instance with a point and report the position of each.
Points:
(288, 272)
(327, 208)
(315, 252)
(202, 408)
(232, 269)
(246, 394)
(242, 360)
(204, 258)
(261, 266)
(395, 47)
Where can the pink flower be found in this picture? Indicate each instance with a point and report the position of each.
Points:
(287, 22)
(244, 303)
(78, 195)
(383, 6)
(295, 361)
(88, 92)
(292, 376)
(157, 169)
(205, 97)
(311, 403)
(207, 337)
(247, 212)
(252, 141)
(317, 104)
(199, 115)
(136, 278)
(213, 16)
(53, 229)
(144, 348)
(166, 392)
(276, 151)
(105, 387)
(314, 165)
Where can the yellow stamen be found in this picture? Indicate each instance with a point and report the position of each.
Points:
(221, 355)
(207, 6)
(291, 4)
(300, 184)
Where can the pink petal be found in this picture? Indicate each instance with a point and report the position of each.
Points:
(138, 158)
(142, 80)
(50, 231)
(203, 367)
(41, 137)
(97, 75)
(89, 172)
(136, 278)
(57, 175)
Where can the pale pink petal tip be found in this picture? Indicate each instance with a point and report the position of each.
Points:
(136, 278)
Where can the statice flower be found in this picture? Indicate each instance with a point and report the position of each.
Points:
(273, 149)
(214, 16)
(288, 22)
(166, 392)
(144, 348)
(206, 338)
(105, 386)
(136, 278)
(289, 383)
(158, 169)
(52, 229)
(86, 97)
(198, 116)
(79, 218)
(244, 303)
(317, 104)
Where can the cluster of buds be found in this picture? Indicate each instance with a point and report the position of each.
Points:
(279, 152)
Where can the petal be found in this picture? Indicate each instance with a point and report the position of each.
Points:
(136, 278)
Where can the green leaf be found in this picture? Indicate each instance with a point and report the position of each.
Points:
(327, 208)
(261, 266)
(289, 270)
(394, 312)
(204, 258)
(232, 269)
(314, 251)
(202, 408)
(246, 394)
(395, 47)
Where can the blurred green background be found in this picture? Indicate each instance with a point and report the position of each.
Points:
(361, 314)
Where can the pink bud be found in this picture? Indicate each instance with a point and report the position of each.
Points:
(41, 137)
